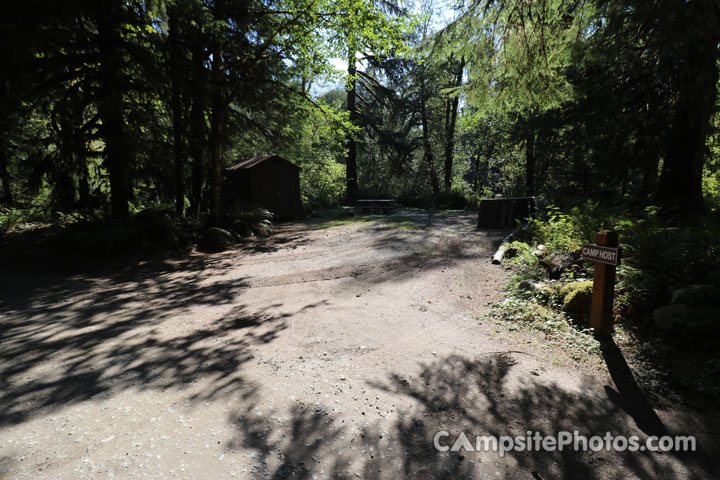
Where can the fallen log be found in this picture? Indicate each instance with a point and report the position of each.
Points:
(500, 253)
(504, 249)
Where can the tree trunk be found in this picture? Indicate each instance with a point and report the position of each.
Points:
(84, 186)
(351, 165)
(649, 178)
(680, 185)
(530, 161)
(488, 153)
(447, 166)
(696, 76)
(64, 192)
(427, 146)
(7, 196)
(217, 132)
(450, 121)
(111, 108)
(476, 171)
(198, 128)
(177, 110)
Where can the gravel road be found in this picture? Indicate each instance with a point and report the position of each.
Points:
(318, 352)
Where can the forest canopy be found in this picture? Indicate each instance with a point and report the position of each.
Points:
(110, 108)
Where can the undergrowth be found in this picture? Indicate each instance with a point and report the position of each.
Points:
(662, 264)
(149, 231)
(527, 314)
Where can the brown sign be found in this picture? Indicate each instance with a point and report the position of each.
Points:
(598, 253)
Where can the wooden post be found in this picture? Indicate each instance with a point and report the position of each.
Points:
(601, 310)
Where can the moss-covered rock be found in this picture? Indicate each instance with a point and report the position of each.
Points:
(665, 318)
(576, 298)
(526, 285)
(695, 295)
(683, 321)
(559, 262)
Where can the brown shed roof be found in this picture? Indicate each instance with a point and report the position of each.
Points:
(257, 161)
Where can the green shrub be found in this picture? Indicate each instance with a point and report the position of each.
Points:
(322, 183)
(658, 260)
(711, 182)
(558, 231)
(9, 217)
(517, 313)
(524, 264)
(250, 219)
(547, 295)
(566, 231)
(518, 310)
(12, 217)
(215, 240)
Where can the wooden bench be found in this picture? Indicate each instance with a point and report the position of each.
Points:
(379, 206)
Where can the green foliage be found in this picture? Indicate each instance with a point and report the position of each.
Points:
(711, 172)
(566, 231)
(517, 310)
(156, 230)
(658, 260)
(524, 264)
(9, 217)
(520, 53)
(215, 239)
(249, 219)
(12, 218)
(149, 232)
(559, 233)
(562, 83)
(322, 185)
(517, 314)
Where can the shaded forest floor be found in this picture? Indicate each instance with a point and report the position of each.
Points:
(332, 349)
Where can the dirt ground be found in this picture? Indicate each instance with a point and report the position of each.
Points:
(319, 352)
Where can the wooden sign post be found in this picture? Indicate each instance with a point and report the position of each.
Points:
(606, 255)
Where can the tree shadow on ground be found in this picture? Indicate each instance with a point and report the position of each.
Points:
(487, 395)
(67, 339)
(408, 253)
(391, 254)
(286, 238)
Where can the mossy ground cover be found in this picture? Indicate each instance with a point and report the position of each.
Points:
(540, 314)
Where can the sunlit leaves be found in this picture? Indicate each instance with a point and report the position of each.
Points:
(519, 50)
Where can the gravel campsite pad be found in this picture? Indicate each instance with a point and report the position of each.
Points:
(327, 350)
